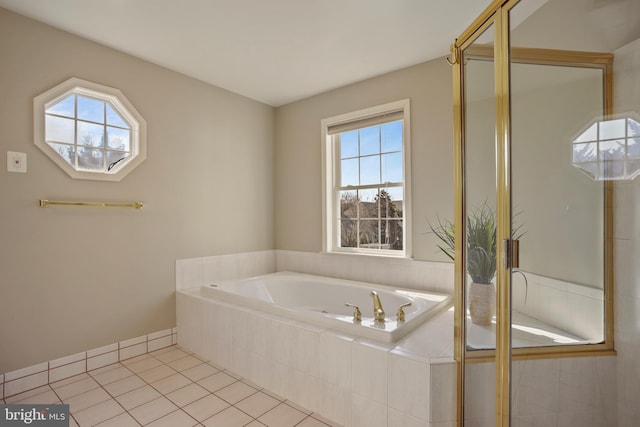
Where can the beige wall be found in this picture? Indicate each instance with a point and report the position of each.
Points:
(298, 199)
(78, 278)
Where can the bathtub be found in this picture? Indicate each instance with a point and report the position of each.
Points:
(321, 301)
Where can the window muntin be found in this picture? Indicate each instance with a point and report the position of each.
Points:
(87, 133)
(366, 192)
(91, 131)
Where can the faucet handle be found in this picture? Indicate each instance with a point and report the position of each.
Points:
(357, 314)
(400, 313)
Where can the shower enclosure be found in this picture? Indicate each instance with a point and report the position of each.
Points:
(539, 150)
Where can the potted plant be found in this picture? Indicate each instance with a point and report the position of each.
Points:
(481, 259)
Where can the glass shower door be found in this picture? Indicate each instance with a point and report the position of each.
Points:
(479, 221)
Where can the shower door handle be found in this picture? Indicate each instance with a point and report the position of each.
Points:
(511, 253)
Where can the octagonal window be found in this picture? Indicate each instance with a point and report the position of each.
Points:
(609, 149)
(91, 131)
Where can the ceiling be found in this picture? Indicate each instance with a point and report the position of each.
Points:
(273, 51)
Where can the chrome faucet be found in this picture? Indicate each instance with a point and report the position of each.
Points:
(378, 311)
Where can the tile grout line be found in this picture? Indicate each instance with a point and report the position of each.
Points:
(118, 365)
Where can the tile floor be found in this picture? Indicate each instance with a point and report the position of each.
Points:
(168, 387)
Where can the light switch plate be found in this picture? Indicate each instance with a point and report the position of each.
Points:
(16, 162)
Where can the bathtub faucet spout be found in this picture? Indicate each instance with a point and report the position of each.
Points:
(378, 311)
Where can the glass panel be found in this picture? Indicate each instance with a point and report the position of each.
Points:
(370, 140)
(480, 198)
(612, 150)
(67, 152)
(369, 170)
(369, 234)
(392, 167)
(90, 159)
(90, 134)
(612, 129)
(633, 128)
(115, 159)
(59, 129)
(91, 109)
(118, 139)
(368, 203)
(114, 119)
(588, 135)
(348, 219)
(391, 135)
(349, 144)
(349, 172)
(633, 147)
(557, 208)
(65, 107)
(585, 152)
(394, 235)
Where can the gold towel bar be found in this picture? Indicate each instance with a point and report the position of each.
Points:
(137, 205)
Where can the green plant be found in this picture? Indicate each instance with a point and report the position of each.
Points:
(481, 242)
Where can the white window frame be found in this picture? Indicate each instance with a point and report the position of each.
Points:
(74, 85)
(330, 202)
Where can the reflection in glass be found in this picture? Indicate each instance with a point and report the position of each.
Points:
(608, 149)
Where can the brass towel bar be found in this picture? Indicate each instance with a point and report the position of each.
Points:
(137, 205)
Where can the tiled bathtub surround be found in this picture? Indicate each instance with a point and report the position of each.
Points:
(397, 272)
(351, 381)
(21, 380)
(192, 272)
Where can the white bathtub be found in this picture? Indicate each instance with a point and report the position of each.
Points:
(321, 300)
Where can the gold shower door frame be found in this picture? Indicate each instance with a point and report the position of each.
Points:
(497, 15)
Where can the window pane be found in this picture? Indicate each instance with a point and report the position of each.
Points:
(90, 109)
(90, 159)
(633, 147)
(59, 129)
(65, 107)
(589, 135)
(370, 140)
(349, 144)
(118, 139)
(114, 119)
(396, 195)
(348, 233)
(610, 150)
(348, 219)
(394, 234)
(392, 136)
(392, 167)
(349, 172)
(585, 152)
(389, 207)
(67, 152)
(370, 170)
(633, 128)
(369, 234)
(90, 134)
(368, 200)
(114, 159)
(612, 129)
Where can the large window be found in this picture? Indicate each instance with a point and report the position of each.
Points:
(366, 190)
(91, 131)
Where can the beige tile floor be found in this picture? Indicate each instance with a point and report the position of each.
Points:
(169, 387)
